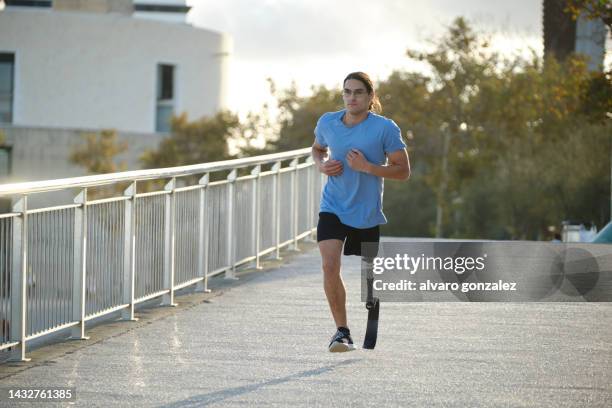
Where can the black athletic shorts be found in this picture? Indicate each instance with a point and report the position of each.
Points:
(330, 227)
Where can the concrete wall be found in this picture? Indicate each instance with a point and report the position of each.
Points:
(43, 154)
(95, 6)
(96, 71)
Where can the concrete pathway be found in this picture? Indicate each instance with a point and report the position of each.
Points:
(261, 341)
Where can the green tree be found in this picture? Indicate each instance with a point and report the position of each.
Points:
(97, 154)
(529, 116)
(500, 147)
(257, 127)
(298, 116)
(486, 134)
(593, 9)
(596, 98)
(459, 62)
(201, 141)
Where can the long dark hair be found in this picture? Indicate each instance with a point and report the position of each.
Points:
(364, 78)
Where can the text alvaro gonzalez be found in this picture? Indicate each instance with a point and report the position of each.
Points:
(411, 264)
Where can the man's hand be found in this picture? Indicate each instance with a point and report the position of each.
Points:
(357, 161)
(331, 167)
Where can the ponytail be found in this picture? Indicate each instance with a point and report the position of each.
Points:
(375, 105)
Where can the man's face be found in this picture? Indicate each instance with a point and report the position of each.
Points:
(356, 97)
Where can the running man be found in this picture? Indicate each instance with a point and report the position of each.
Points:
(356, 148)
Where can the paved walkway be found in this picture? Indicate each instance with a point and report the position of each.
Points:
(262, 341)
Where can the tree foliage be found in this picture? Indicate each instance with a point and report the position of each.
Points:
(98, 152)
(298, 114)
(200, 141)
(500, 147)
(593, 9)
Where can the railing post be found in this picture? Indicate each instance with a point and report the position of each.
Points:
(129, 252)
(18, 280)
(231, 207)
(202, 286)
(310, 200)
(295, 216)
(256, 214)
(79, 266)
(169, 240)
(276, 213)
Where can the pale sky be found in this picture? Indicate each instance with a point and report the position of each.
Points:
(318, 41)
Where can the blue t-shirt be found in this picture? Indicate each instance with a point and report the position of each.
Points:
(356, 197)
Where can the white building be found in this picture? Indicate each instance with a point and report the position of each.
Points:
(69, 67)
(107, 64)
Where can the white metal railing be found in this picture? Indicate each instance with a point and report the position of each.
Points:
(62, 266)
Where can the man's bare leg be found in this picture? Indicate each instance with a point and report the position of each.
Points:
(331, 253)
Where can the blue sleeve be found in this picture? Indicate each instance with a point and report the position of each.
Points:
(392, 138)
(319, 133)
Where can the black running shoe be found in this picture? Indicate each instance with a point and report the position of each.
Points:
(341, 341)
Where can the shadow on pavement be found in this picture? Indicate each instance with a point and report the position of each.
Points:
(218, 396)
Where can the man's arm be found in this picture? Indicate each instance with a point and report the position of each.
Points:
(329, 167)
(319, 153)
(398, 166)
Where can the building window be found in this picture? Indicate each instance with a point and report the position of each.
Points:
(162, 8)
(7, 68)
(29, 3)
(165, 97)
